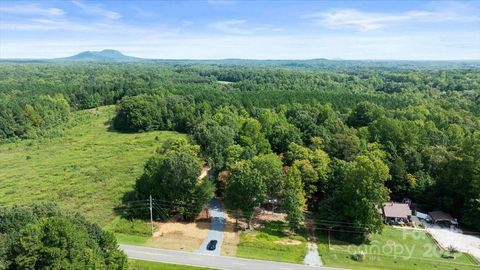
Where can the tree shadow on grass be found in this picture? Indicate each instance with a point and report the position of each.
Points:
(133, 207)
(111, 128)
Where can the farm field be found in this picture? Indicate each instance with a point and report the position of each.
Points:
(88, 168)
(393, 249)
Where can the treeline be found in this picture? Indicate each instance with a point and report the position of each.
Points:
(27, 117)
(424, 152)
(34, 98)
(86, 86)
(319, 130)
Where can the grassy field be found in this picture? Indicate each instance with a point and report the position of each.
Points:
(272, 243)
(87, 169)
(144, 265)
(394, 249)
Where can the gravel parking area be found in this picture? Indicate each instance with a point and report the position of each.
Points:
(446, 237)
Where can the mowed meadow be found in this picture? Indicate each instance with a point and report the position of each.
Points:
(88, 168)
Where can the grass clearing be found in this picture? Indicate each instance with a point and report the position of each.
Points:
(395, 249)
(146, 265)
(87, 169)
(129, 239)
(224, 82)
(132, 227)
(272, 243)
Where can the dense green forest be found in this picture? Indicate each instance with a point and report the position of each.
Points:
(43, 236)
(338, 140)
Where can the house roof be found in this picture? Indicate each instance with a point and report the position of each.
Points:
(440, 216)
(399, 210)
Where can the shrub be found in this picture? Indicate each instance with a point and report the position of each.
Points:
(358, 256)
(452, 249)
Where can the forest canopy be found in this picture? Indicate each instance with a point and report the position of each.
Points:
(318, 130)
(43, 236)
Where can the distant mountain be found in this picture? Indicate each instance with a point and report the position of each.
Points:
(102, 56)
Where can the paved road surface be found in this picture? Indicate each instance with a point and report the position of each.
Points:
(205, 260)
(216, 229)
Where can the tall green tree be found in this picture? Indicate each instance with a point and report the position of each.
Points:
(357, 199)
(271, 168)
(252, 138)
(321, 164)
(364, 114)
(294, 201)
(308, 176)
(245, 189)
(214, 140)
(171, 177)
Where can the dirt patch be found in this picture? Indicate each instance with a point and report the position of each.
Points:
(205, 170)
(264, 215)
(230, 237)
(289, 242)
(179, 235)
(259, 218)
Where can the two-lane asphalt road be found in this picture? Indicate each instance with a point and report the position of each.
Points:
(205, 260)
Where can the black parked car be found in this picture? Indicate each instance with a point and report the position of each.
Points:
(212, 245)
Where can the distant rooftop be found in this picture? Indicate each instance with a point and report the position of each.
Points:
(440, 216)
(399, 210)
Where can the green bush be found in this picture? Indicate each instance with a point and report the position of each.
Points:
(358, 256)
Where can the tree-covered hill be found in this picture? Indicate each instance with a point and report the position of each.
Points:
(415, 125)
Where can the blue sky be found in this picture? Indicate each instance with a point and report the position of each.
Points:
(217, 29)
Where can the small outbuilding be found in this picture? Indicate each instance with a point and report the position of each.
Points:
(396, 213)
(442, 218)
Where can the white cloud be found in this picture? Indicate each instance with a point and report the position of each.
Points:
(241, 27)
(97, 10)
(31, 9)
(90, 27)
(367, 21)
(41, 24)
(239, 38)
(232, 27)
(419, 45)
(363, 21)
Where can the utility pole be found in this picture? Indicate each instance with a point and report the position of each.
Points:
(329, 228)
(151, 214)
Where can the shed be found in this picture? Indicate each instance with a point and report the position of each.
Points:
(440, 217)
